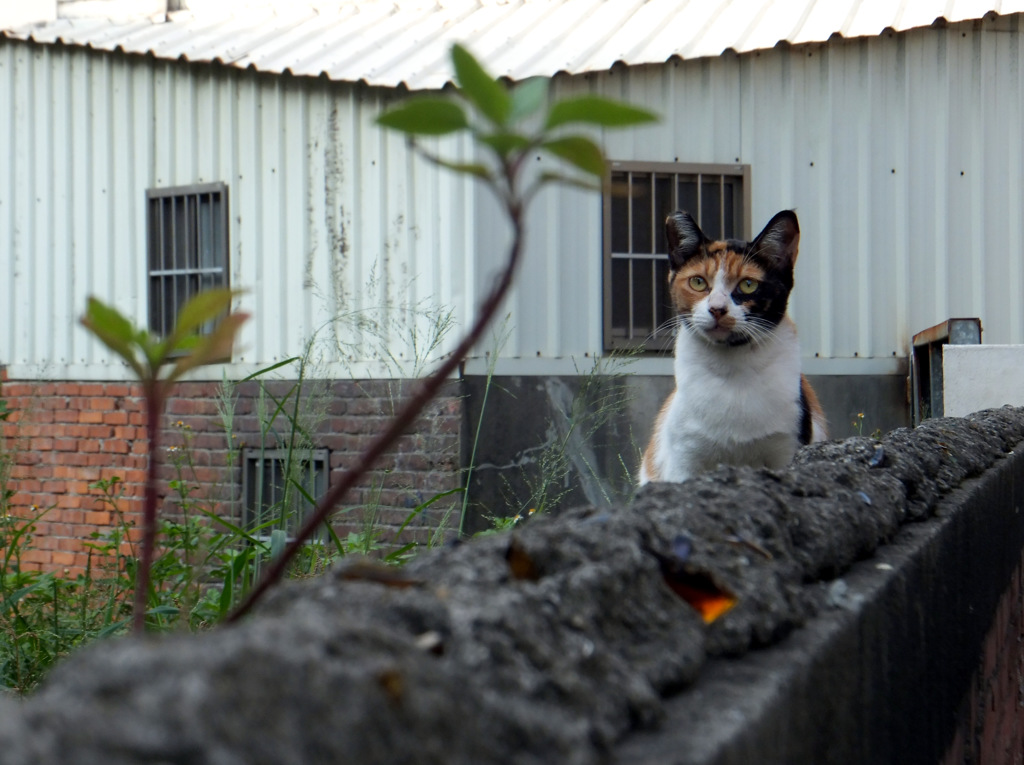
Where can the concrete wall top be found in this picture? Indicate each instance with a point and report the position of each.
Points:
(561, 642)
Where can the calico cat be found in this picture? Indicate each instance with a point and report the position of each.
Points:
(739, 398)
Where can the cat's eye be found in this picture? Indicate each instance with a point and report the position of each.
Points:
(748, 286)
(698, 283)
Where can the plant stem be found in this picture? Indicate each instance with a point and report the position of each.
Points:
(403, 420)
(154, 408)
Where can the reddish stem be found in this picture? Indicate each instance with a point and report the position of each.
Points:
(154, 408)
(401, 422)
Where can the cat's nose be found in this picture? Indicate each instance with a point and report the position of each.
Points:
(718, 311)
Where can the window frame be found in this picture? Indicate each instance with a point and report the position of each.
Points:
(186, 261)
(319, 458)
(659, 342)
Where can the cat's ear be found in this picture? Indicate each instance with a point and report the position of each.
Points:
(684, 237)
(778, 243)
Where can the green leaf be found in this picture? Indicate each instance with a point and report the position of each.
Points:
(594, 110)
(485, 92)
(271, 368)
(163, 611)
(114, 330)
(467, 168)
(505, 143)
(338, 544)
(425, 116)
(211, 348)
(527, 97)
(234, 529)
(579, 151)
(206, 306)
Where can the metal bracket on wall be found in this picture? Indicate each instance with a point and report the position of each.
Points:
(926, 363)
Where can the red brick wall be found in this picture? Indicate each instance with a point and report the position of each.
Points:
(64, 436)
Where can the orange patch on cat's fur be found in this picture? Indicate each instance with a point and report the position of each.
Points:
(648, 459)
(813, 405)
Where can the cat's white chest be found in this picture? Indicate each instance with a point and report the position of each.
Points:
(734, 406)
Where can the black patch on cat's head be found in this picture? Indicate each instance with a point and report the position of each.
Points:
(685, 239)
(776, 246)
(775, 250)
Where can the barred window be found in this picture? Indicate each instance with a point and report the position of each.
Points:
(276, 489)
(641, 195)
(188, 248)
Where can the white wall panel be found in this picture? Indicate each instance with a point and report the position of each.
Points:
(901, 154)
(328, 214)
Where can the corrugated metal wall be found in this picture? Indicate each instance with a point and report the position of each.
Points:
(329, 215)
(901, 154)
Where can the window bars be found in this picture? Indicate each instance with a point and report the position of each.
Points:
(637, 309)
(270, 498)
(187, 228)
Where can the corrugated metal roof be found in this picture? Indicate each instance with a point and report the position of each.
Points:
(388, 42)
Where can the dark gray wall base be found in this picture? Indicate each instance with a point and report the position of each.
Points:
(580, 438)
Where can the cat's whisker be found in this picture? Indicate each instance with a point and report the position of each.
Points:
(757, 330)
(670, 326)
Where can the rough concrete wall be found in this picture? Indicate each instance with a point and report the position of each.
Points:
(556, 644)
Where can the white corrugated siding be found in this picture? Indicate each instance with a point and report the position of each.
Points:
(901, 154)
(329, 215)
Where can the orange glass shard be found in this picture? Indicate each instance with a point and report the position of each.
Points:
(703, 595)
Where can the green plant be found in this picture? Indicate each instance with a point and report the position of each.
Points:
(858, 427)
(158, 363)
(567, 455)
(509, 127)
(43, 616)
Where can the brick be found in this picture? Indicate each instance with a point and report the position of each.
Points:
(115, 418)
(74, 458)
(97, 518)
(90, 416)
(37, 556)
(63, 558)
(104, 403)
(114, 446)
(65, 444)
